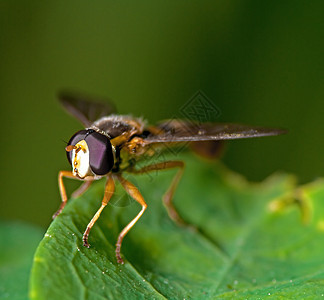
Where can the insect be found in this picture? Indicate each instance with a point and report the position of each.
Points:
(112, 144)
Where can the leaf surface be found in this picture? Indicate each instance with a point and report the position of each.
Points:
(249, 241)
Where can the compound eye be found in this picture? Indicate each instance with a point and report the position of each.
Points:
(77, 137)
(100, 153)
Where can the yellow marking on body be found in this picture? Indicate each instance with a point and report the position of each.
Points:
(80, 154)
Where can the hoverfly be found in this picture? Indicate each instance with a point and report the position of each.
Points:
(112, 144)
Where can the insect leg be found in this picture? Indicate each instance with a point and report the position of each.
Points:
(109, 191)
(67, 174)
(167, 198)
(81, 189)
(134, 193)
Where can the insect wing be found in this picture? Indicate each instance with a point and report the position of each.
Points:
(185, 131)
(84, 108)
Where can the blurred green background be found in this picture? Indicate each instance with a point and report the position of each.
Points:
(260, 62)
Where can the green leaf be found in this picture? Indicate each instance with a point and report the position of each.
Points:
(18, 245)
(250, 241)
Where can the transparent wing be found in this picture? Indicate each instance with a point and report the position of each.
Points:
(174, 131)
(84, 108)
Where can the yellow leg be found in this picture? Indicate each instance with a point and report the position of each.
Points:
(67, 174)
(134, 193)
(109, 191)
(167, 198)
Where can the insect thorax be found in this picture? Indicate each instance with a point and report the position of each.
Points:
(116, 125)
